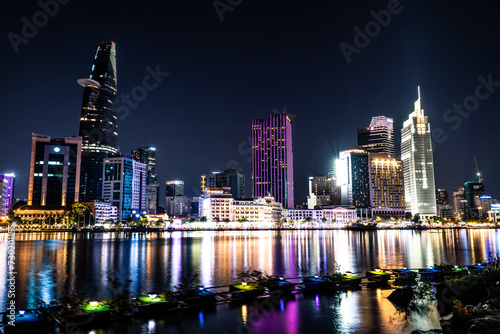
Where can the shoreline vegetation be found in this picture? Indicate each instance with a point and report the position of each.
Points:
(467, 300)
(457, 299)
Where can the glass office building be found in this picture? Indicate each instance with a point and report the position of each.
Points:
(272, 159)
(54, 171)
(98, 121)
(418, 164)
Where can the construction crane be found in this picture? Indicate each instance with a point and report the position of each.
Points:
(477, 171)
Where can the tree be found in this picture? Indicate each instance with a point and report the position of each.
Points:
(143, 221)
(416, 218)
(78, 209)
(203, 219)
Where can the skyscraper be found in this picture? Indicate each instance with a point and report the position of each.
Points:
(124, 185)
(442, 197)
(386, 186)
(55, 171)
(229, 178)
(174, 188)
(98, 121)
(272, 159)
(471, 190)
(458, 197)
(147, 155)
(323, 190)
(418, 165)
(378, 137)
(353, 176)
(6, 192)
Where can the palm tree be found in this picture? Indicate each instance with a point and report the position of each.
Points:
(78, 209)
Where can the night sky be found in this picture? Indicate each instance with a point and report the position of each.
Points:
(264, 57)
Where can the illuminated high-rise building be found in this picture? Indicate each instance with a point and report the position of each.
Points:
(174, 188)
(386, 186)
(378, 137)
(124, 186)
(6, 192)
(272, 159)
(353, 177)
(98, 121)
(54, 171)
(458, 197)
(418, 164)
(442, 197)
(229, 178)
(147, 155)
(471, 190)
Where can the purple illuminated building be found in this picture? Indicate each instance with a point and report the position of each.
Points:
(272, 159)
(6, 192)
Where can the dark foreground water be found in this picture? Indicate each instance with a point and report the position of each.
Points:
(50, 265)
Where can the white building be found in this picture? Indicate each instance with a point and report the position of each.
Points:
(124, 185)
(103, 211)
(178, 206)
(340, 215)
(222, 207)
(483, 204)
(494, 213)
(418, 164)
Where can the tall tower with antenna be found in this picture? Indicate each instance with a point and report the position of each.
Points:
(418, 163)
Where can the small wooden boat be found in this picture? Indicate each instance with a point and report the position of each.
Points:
(24, 321)
(318, 283)
(280, 284)
(349, 281)
(433, 274)
(377, 275)
(201, 296)
(245, 290)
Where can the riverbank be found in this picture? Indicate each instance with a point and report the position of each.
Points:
(467, 299)
(244, 228)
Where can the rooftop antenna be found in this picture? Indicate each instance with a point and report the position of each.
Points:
(477, 171)
(418, 104)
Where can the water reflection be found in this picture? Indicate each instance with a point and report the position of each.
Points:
(50, 265)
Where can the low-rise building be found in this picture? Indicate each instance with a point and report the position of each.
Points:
(341, 215)
(103, 211)
(222, 207)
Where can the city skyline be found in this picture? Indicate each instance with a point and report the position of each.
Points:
(326, 112)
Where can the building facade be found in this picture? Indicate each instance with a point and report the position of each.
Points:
(6, 192)
(272, 159)
(124, 185)
(458, 195)
(147, 155)
(222, 207)
(340, 215)
(103, 211)
(353, 177)
(229, 178)
(54, 171)
(174, 188)
(178, 206)
(418, 163)
(386, 186)
(378, 137)
(98, 120)
(442, 197)
(471, 190)
(483, 204)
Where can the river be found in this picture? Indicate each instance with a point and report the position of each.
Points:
(51, 265)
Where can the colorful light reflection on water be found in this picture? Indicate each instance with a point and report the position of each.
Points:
(50, 265)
